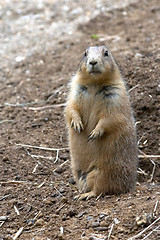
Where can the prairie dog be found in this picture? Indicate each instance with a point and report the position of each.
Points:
(102, 134)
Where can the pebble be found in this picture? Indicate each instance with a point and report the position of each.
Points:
(30, 222)
(72, 181)
(63, 157)
(64, 200)
(144, 219)
(48, 201)
(18, 177)
(40, 222)
(95, 224)
(104, 224)
(101, 216)
(19, 59)
(64, 218)
(120, 229)
(59, 170)
(31, 178)
(5, 159)
(72, 212)
(89, 218)
(60, 237)
(139, 55)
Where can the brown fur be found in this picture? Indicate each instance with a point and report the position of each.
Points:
(102, 135)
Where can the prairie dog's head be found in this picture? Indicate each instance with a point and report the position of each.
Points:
(97, 63)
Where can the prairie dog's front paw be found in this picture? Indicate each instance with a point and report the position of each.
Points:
(77, 125)
(95, 133)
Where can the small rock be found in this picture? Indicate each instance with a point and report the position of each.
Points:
(64, 218)
(30, 222)
(40, 222)
(95, 224)
(55, 194)
(116, 221)
(154, 8)
(30, 178)
(60, 237)
(72, 212)
(63, 157)
(72, 181)
(19, 59)
(64, 200)
(120, 229)
(144, 219)
(101, 216)
(5, 159)
(61, 190)
(59, 170)
(48, 201)
(89, 218)
(104, 224)
(92, 203)
(10, 231)
(139, 55)
(18, 177)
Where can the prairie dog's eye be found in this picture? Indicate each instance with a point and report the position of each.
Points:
(106, 53)
(85, 54)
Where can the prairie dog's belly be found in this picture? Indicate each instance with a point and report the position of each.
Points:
(85, 153)
(91, 106)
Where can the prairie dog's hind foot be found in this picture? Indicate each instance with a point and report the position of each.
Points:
(85, 196)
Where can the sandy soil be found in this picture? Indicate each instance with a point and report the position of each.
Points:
(42, 43)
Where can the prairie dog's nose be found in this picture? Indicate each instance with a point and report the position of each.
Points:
(93, 62)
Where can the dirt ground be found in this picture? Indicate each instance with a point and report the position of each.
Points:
(42, 43)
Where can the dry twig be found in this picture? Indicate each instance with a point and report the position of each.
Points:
(110, 231)
(56, 156)
(35, 168)
(153, 171)
(7, 120)
(37, 215)
(43, 157)
(58, 191)
(13, 182)
(1, 223)
(47, 107)
(62, 206)
(18, 233)
(3, 218)
(131, 89)
(144, 230)
(42, 148)
(40, 185)
(60, 165)
(155, 207)
(5, 196)
(99, 196)
(148, 156)
(146, 237)
(16, 210)
(23, 104)
(140, 171)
